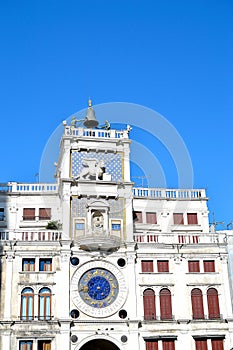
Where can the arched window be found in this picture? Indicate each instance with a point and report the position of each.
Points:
(197, 304)
(149, 304)
(27, 304)
(165, 304)
(45, 299)
(213, 304)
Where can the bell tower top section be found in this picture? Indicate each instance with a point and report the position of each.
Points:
(93, 174)
(85, 144)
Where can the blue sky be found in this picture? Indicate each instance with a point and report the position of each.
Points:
(175, 57)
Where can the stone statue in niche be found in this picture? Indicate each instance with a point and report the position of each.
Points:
(92, 170)
(97, 222)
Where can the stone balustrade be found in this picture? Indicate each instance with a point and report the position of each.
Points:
(43, 235)
(13, 187)
(137, 191)
(180, 238)
(96, 133)
(169, 193)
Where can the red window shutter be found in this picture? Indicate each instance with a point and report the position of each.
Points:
(178, 219)
(197, 304)
(45, 213)
(201, 344)
(168, 345)
(213, 303)
(209, 266)
(151, 218)
(147, 266)
(138, 216)
(29, 213)
(163, 265)
(192, 219)
(152, 345)
(194, 266)
(149, 304)
(217, 344)
(165, 304)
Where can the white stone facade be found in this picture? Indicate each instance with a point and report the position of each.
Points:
(125, 267)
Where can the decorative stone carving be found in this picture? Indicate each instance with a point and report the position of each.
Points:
(97, 222)
(92, 169)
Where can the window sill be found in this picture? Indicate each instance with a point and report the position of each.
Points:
(186, 228)
(156, 273)
(202, 273)
(37, 272)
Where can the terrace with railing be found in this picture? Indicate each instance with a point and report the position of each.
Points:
(14, 187)
(161, 238)
(180, 238)
(138, 192)
(164, 193)
(96, 133)
(38, 236)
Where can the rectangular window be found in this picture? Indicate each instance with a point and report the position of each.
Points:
(79, 226)
(45, 265)
(25, 345)
(152, 345)
(28, 264)
(209, 266)
(2, 216)
(116, 226)
(168, 345)
(44, 213)
(217, 344)
(201, 344)
(44, 344)
(192, 219)
(151, 218)
(29, 214)
(178, 219)
(138, 216)
(163, 265)
(147, 265)
(194, 266)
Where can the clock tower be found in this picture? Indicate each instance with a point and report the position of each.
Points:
(93, 174)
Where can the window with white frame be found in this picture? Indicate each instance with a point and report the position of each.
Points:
(45, 307)
(27, 304)
(45, 264)
(25, 345)
(28, 264)
(79, 227)
(116, 227)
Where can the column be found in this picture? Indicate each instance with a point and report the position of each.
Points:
(157, 305)
(8, 284)
(62, 299)
(66, 211)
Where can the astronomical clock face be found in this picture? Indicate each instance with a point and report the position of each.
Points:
(98, 289)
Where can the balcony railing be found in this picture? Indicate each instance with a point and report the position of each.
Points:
(159, 193)
(47, 235)
(169, 193)
(171, 238)
(28, 187)
(95, 133)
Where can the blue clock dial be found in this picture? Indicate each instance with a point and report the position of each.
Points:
(98, 287)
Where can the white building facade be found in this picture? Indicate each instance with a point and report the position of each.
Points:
(90, 262)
